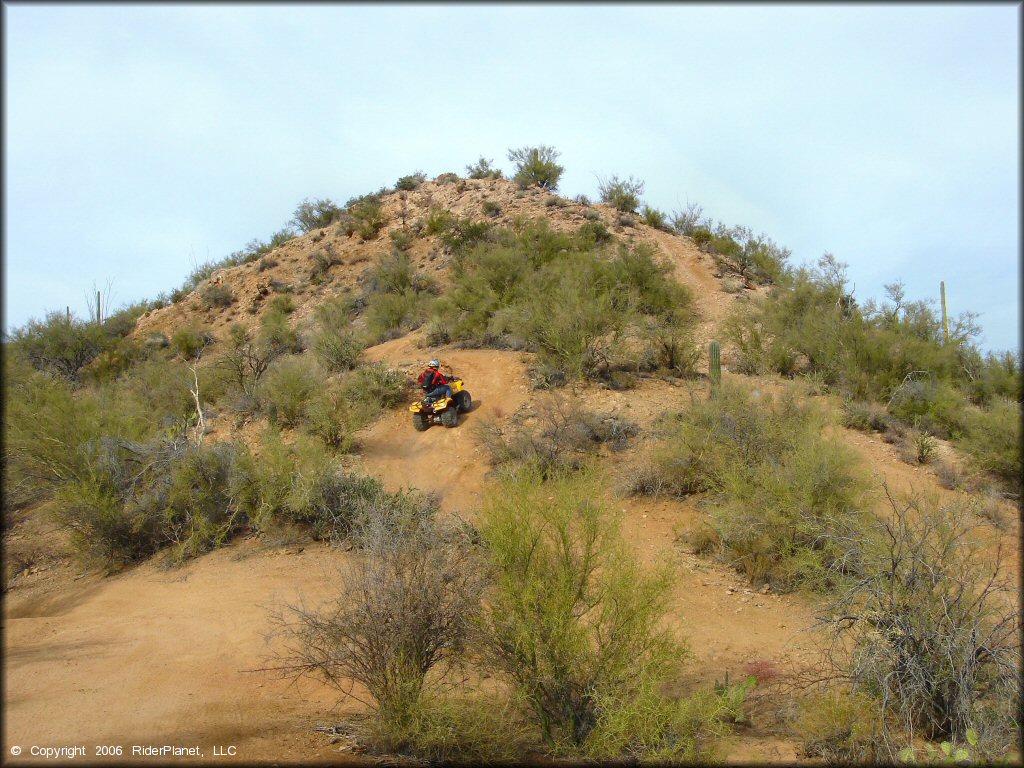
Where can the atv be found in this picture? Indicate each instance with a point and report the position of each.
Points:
(444, 411)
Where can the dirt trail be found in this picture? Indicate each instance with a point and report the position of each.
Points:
(448, 462)
(156, 656)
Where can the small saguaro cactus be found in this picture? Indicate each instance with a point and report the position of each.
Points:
(715, 367)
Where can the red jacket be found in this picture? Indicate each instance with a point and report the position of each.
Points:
(431, 379)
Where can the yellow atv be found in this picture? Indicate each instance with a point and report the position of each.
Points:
(444, 411)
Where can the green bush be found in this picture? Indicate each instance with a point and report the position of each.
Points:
(654, 218)
(59, 345)
(190, 341)
(411, 182)
(390, 315)
(572, 619)
(482, 169)
(214, 296)
(276, 333)
(930, 405)
(335, 343)
(866, 417)
(777, 486)
(536, 166)
(201, 512)
(490, 208)
(283, 303)
(331, 417)
(368, 216)
(314, 214)
(378, 386)
(322, 259)
(438, 220)
(463, 234)
(624, 196)
(992, 441)
(287, 387)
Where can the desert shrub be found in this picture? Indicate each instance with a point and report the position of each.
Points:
(654, 218)
(333, 418)
(462, 234)
(287, 387)
(283, 303)
(411, 182)
(368, 217)
(390, 315)
(299, 486)
(842, 728)
(378, 386)
(214, 296)
(190, 341)
(866, 417)
(314, 214)
(59, 345)
(447, 178)
(561, 437)
(992, 441)
(201, 513)
(267, 262)
(412, 575)
(395, 273)
(594, 233)
(931, 405)
(120, 356)
(650, 727)
(994, 376)
(455, 728)
(49, 428)
(536, 166)
(686, 222)
(572, 619)
(482, 169)
(438, 220)
(401, 239)
(777, 486)
(115, 511)
(929, 628)
(276, 333)
(623, 195)
(321, 261)
(490, 208)
(335, 343)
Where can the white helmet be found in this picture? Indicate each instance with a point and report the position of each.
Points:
(435, 363)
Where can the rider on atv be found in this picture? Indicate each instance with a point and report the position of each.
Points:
(433, 382)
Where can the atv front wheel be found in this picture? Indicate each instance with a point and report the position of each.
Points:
(450, 417)
(463, 401)
(419, 422)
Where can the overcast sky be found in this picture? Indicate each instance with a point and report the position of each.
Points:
(140, 140)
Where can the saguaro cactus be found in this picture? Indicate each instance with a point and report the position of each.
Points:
(715, 367)
(945, 317)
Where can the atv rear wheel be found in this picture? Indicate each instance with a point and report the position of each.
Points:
(419, 422)
(450, 417)
(463, 401)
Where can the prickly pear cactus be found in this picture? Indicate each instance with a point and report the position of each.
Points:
(715, 367)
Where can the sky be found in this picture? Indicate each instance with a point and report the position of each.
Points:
(142, 140)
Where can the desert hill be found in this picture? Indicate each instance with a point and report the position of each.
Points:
(155, 655)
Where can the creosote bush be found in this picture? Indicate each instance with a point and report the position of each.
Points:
(314, 214)
(482, 169)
